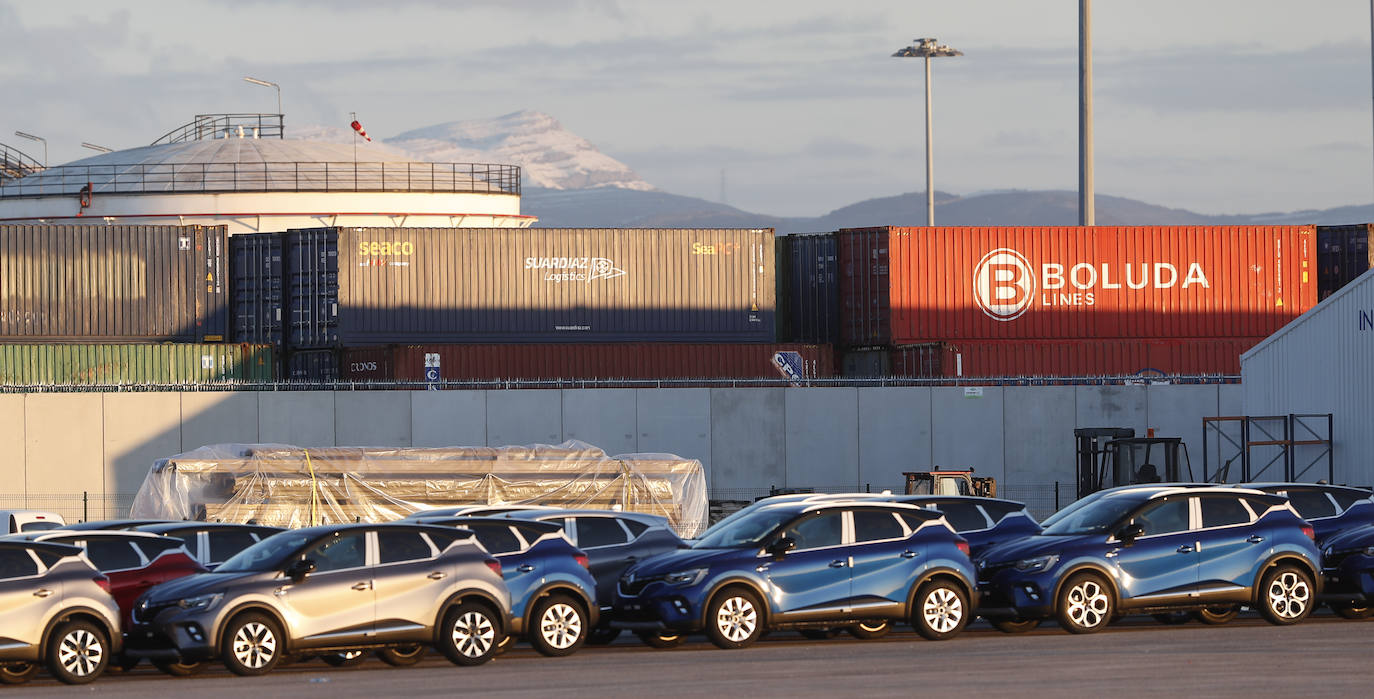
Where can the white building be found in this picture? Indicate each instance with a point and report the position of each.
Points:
(235, 170)
(1323, 362)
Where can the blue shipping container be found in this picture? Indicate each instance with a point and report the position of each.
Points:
(256, 264)
(813, 293)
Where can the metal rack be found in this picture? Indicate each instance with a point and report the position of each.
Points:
(1253, 448)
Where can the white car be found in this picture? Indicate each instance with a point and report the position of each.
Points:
(17, 521)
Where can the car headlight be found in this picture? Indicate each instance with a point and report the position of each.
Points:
(1369, 551)
(1037, 564)
(686, 577)
(1329, 550)
(201, 603)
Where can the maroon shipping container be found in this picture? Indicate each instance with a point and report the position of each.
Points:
(1054, 358)
(578, 362)
(902, 286)
(113, 284)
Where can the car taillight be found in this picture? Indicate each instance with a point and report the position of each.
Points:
(963, 546)
(1309, 531)
(581, 559)
(495, 566)
(102, 581)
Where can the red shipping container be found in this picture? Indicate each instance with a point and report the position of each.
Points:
(1118, 357)
(585, 361)
(912, 285)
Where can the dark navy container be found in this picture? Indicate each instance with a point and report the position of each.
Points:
(812, 295)
(256, 267)
(312, 278)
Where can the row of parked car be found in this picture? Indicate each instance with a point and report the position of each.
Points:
(470, 581)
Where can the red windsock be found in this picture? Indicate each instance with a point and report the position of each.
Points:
(359, 128)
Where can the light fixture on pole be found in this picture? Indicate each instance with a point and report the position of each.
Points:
(93, 146)
(268, 83)
(928, 48)
(32, 137)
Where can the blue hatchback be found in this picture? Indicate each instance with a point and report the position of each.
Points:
(1156, 549)
(984, 522)
(1348, 568)
(1330, 509)
(552, 593)
(804, 565)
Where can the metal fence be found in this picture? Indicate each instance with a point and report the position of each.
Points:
(74, 507)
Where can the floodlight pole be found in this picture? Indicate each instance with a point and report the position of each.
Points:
(40, 139)
(929, 48)
(1087, 216)
(268, 83)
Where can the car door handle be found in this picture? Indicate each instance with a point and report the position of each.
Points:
(1255, 539)
(909, 554)
(437, 575)
(525, 568)
(1185, 549)
(44, 592)
(362, 586)
(837, 564)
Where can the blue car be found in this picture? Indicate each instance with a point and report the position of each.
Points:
(1330, 509)
(1348, 569)
(552, 592)
(983, 522)
(1155, 550)
(804, 565)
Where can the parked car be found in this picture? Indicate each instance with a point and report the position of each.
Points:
(1348, 571)
(58, 612)
(17, 521)
(552, 592)
(473, 511)
(212, 543)
(983, 522)
(1330, 509)
(1156, 549)
(110, 524)
(804, 565)
(332, 589)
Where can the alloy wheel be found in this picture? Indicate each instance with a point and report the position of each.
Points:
(1289, 595)
(1088, 604)
(737, 619)
(473, 634)
(561, 626)
(80, 652)
(942, 610)
(255, 645)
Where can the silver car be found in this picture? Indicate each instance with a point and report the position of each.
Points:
(57, 612)
(395, 588)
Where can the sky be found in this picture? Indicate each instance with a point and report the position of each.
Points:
(787, 108)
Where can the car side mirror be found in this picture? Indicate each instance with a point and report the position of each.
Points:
(300, 569)
(780, 547)
(1130, 533)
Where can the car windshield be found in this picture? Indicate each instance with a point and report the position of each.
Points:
(39, 526)
(1072, 508)
(1095, 517)
(268, 554)
(745, 530)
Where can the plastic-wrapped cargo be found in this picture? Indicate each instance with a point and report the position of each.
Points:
(290, 486)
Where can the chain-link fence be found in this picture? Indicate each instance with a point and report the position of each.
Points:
(74, 507)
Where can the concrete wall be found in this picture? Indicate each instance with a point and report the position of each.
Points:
(747, 438)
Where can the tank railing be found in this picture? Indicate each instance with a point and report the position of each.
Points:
(160, 178)
(15, 164)
(212, 126)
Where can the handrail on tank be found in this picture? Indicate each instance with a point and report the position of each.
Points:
(210, 126)
(15, 163)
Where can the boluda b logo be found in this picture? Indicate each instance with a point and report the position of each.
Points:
(1003, 284)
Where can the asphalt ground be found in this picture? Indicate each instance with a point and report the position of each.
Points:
(1322, 656)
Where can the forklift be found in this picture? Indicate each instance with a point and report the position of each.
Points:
(949, 482)
(1113, 456)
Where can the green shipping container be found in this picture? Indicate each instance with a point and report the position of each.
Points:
(133, 365)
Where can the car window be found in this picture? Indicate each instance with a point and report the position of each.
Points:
(636, 527)
(1223, 511)
(339, 553)
(912, 521)
(16, 563)
(1164, 518)
(39, 526)
(152, 548)
(999, 510)
(877, 525)
(224, 543)
(395, 546)
(112, 554)
(599, 531)
(442, 540)
(496, 538)
(1346, 498)
(1311, 504)
(817, 531)
(187, 537)
(963, 516)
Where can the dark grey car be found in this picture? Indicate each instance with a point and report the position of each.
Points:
(57, 612)
(390, 587)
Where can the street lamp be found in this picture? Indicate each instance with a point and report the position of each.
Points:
(95, 147)
(32, 137)
(267, 83)
(928, 48)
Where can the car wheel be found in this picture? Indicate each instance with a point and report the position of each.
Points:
(1173, 618)
(602, 636)
(734, 619)
(1014, 625)
(560, 626)
(1286, 595)
(17, 673)
(1216, 616)
(348, 658)
(941, 610)
(1085, 604)
(252, 645)
(78, 652)
(177, 668)
(401, 656)
(661, 639)
(468, 635)
(1351, 610)
(869, 630)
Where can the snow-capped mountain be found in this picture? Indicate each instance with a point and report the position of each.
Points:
(549, 156)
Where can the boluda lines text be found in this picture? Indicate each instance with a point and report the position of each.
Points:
(574, 269)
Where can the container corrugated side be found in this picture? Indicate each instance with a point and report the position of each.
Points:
(1343, 253)
(865, 287)
(1121, 357)
(314, 366)
(133, 364)
(427, 285)
(812, 298)
(1099, 282)
(113, 284)
(258, 288)
(311, 267)
(578, 361)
